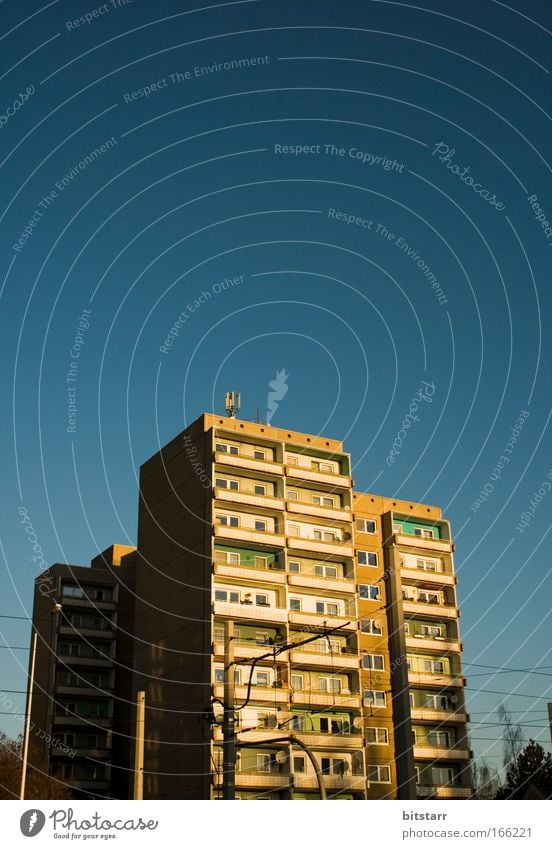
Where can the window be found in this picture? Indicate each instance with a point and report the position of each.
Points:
(439, 738)
(72, 592)
(325, 571)
(321, 467)
(298, 722)
(372, 661)
(367, 558)
(370, 626)
(294, 566)
(436, 666)
(292, 461)
(261, 638)
(229, 521)
(260, 525)
(260, 489)
(261, 600)
(333, 766)
(226, 449)
(428, 597)
(329, 607)
(258, 454)
(397, 528)
(219, 676)
(325, 645)
(264, 763)
(224, 483)
(219, 632)
(377, 736)
(369, 591)
(266, 720)
(366, 526)
(379, 774)
(329, 685)
(442, 775)
(425, 533)
(261, 562)
(293, 530)
(295, 604)
(261, 678)
(233, 558)
(299, 764)
(296, 681)
(323, 500)
(292, 495)
(431, 630)
(326, 536)
(375, 698)
(436, 702)
(231, 596)
(428, 565)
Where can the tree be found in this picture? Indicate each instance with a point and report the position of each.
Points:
(532, 767)
(512, 735)
(485, 780)
(39, 785)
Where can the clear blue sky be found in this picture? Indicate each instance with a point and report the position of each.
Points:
(133, 183)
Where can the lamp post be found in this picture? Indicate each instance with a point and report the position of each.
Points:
(56, 610)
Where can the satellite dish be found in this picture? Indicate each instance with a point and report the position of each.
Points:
(357, 722)
(281, 757)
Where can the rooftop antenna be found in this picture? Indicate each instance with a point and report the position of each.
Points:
(233, 404)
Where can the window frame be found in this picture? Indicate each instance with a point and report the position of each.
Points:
(377, 742)
(369, 554)
(375, 703)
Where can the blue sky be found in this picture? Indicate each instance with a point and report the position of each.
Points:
(401, 244)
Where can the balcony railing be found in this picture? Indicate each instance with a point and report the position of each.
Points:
(301, 617)
(347, 782)
(411, 540)
(342, 548)
(250, 535)
(438, 714)
(424, 608)
(326, 699)
(426, 751)
(340, 585)
(338, 514)
(427, 577)
(273, 573)
(237, 496)
(305, 474)
(256, 612)
(426, 641)
(242, 461)
(337, 660)
(425, 791)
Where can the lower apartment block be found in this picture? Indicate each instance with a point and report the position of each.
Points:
(335, 611)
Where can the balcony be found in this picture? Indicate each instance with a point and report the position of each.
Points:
(257, 613)
(303, 474)
(434, 715)
(251, 573)
(409, 541)
(240, 461)
(420, 641)
(95, 754)
(271, 695)
(436, 679)
(337, 661)
(88, 722)
(234, 496)
(249, 535)
(256, 780)
(338, 514)
(432, 753)
(301, 617)
(314, 739)
(317, 697)
(88, 604)
(423, 608)
(76, 630)
(425, 791)
(247, 650)
(74, 660)
(346, 783)
(428, 578)
(340, 549)
(317, 582)
(82, 690)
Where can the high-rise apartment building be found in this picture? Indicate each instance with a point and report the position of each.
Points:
(330, 615)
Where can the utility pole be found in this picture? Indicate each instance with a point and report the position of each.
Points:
(229, 718)
(139, 745)
(28, 719)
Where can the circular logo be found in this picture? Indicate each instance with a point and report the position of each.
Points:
(32, 822)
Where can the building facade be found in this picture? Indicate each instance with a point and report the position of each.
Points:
(334, 610)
